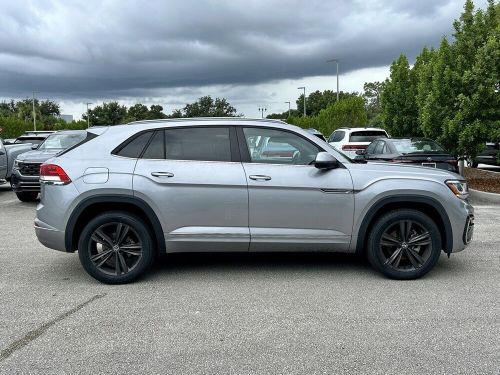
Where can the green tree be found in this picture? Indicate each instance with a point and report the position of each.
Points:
(318, 100)
(137, 112)
(346, 112)
(110, 113)
(207, 107)
(372, 92)
(400, 112)
(155, 112)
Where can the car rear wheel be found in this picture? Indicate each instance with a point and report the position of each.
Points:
(404, 244)
(116, 248)
(27, 196)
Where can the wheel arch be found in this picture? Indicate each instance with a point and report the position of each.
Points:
(92, 206)
(429, 206)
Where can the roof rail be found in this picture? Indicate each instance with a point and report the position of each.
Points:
(182, 119)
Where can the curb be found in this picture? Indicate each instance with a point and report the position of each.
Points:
(484, 196)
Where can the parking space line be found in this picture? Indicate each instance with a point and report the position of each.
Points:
(34, 334)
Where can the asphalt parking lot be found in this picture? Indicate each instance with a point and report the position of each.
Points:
(280, 313)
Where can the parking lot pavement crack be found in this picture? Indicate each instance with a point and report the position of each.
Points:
(34, 334)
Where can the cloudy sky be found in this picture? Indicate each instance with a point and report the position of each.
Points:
(253, 52)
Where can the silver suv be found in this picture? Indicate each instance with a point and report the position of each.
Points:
(129, 192)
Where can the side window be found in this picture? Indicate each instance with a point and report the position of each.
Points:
(337, 136)
(379, 148)
(133, 149)
(371, 148)
(207, 144)
(156, 148)
(278, 147)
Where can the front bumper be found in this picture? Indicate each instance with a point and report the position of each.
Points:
(463, 227)
(22, 183)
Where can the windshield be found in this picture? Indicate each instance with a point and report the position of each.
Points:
(62, 141)
(367, 135)
(408, 146)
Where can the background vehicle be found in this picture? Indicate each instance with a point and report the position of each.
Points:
(488, 156)
(33, 137)
(317, 133)
(205, 185)
(8, 154)
(350, 140)
(420, 151)
(26, 170)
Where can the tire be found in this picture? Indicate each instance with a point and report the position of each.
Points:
(393, 254)
(116, 247)
(27, 196)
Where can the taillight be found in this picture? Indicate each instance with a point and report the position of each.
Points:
(354, 147)
(53, 174)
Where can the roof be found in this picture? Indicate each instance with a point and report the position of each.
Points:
(208, 120)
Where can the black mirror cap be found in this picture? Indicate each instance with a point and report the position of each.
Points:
(34, 147)
(325, 161)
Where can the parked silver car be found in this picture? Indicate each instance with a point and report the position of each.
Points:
(230, 184)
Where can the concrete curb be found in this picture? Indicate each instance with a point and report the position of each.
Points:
(484, 196)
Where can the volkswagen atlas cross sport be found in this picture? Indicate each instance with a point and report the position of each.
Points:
(129, 192)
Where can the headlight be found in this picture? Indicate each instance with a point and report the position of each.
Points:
(459, 188)
(16, 164)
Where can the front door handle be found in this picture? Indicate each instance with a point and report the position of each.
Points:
(162, 174)
(259, 177)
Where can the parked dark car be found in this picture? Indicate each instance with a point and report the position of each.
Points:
(422, 151)
(317, 133)
(488, 156)
(26, 171)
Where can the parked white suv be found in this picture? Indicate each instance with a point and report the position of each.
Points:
(350, 140)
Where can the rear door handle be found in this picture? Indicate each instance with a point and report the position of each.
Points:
(162, 174)
(259, 177)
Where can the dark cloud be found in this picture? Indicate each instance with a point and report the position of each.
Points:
(117, 49)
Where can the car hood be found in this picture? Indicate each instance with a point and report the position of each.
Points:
(365, 174)
(37, 156)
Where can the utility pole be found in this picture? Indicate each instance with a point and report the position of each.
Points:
(337, 62)
(261, 110)
(288, 108)
(303, 88)
(34, 113)
(88, 115)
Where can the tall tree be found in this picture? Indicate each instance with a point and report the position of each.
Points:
(110, 113)
(207, 107)
(400, 113)
(372, 92)
(318, 100)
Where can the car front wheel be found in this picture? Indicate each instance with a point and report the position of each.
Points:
(116, 248)
(404, 244)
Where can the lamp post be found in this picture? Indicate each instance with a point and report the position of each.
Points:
(88, 115)
(261, 110)
(34, 113)
(303, 88)
(337, 62)
(288, 108)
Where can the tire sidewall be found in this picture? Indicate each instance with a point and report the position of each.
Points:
(374, 253)
(142, 231)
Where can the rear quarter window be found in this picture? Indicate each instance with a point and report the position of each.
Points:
(337, 136)
(134, 147)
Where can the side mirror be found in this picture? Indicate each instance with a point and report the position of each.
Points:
(325, 161)
(34, 147)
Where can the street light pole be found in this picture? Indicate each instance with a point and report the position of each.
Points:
(261, 110)
(88, 115)
(34, 113)
(303, 88)
(337, 62)
(288, 108)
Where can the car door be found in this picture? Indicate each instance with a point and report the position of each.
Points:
(194, 179)
(3, 161)
(294, 206)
